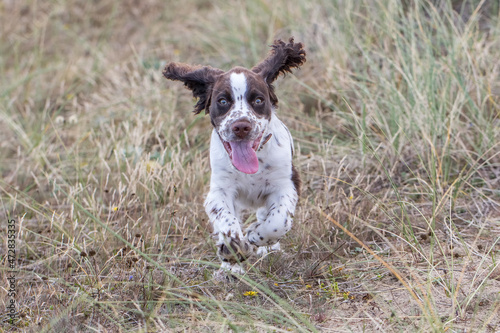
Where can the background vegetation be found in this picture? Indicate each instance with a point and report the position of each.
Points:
(395, 117)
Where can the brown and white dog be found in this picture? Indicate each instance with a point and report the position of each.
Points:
(250, 151)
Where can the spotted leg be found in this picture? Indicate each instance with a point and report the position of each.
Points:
(232, 247)
(275, 221)
(263, 250)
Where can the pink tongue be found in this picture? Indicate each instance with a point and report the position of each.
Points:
(244, 157)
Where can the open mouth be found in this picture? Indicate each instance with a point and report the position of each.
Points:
(243, 154)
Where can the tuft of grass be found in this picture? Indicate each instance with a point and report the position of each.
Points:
(396, 124)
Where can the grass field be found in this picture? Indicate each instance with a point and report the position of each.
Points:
(396, 121)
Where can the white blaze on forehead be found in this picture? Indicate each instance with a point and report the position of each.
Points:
(239, 86)
(240, 109)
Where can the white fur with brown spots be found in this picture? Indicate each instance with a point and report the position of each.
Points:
(250, 152)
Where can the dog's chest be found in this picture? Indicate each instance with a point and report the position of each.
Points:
(253, 190)
(274, 174)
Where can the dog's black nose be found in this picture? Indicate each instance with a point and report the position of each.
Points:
(241, 128)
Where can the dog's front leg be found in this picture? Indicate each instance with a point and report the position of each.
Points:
(232, 247)
(277, 221)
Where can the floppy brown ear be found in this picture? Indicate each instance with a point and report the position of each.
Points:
(199, 79)
(282, 59)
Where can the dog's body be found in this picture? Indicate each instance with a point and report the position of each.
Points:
(250, 151)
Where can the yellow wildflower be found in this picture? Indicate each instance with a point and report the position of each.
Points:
(250, 293)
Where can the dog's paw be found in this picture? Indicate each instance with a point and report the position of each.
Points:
(228, 272)
(232, 268)
(252, 236)
(264, 250)
(235, 249)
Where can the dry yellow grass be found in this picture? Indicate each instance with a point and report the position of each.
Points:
(395, 117)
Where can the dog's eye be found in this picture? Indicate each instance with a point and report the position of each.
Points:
(258, 101)
(223, 102)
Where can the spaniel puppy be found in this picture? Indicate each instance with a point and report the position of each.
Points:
(250, 151)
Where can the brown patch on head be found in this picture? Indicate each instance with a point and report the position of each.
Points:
(257, 88)
(221, 90)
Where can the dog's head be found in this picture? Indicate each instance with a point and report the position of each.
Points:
(240, 102)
